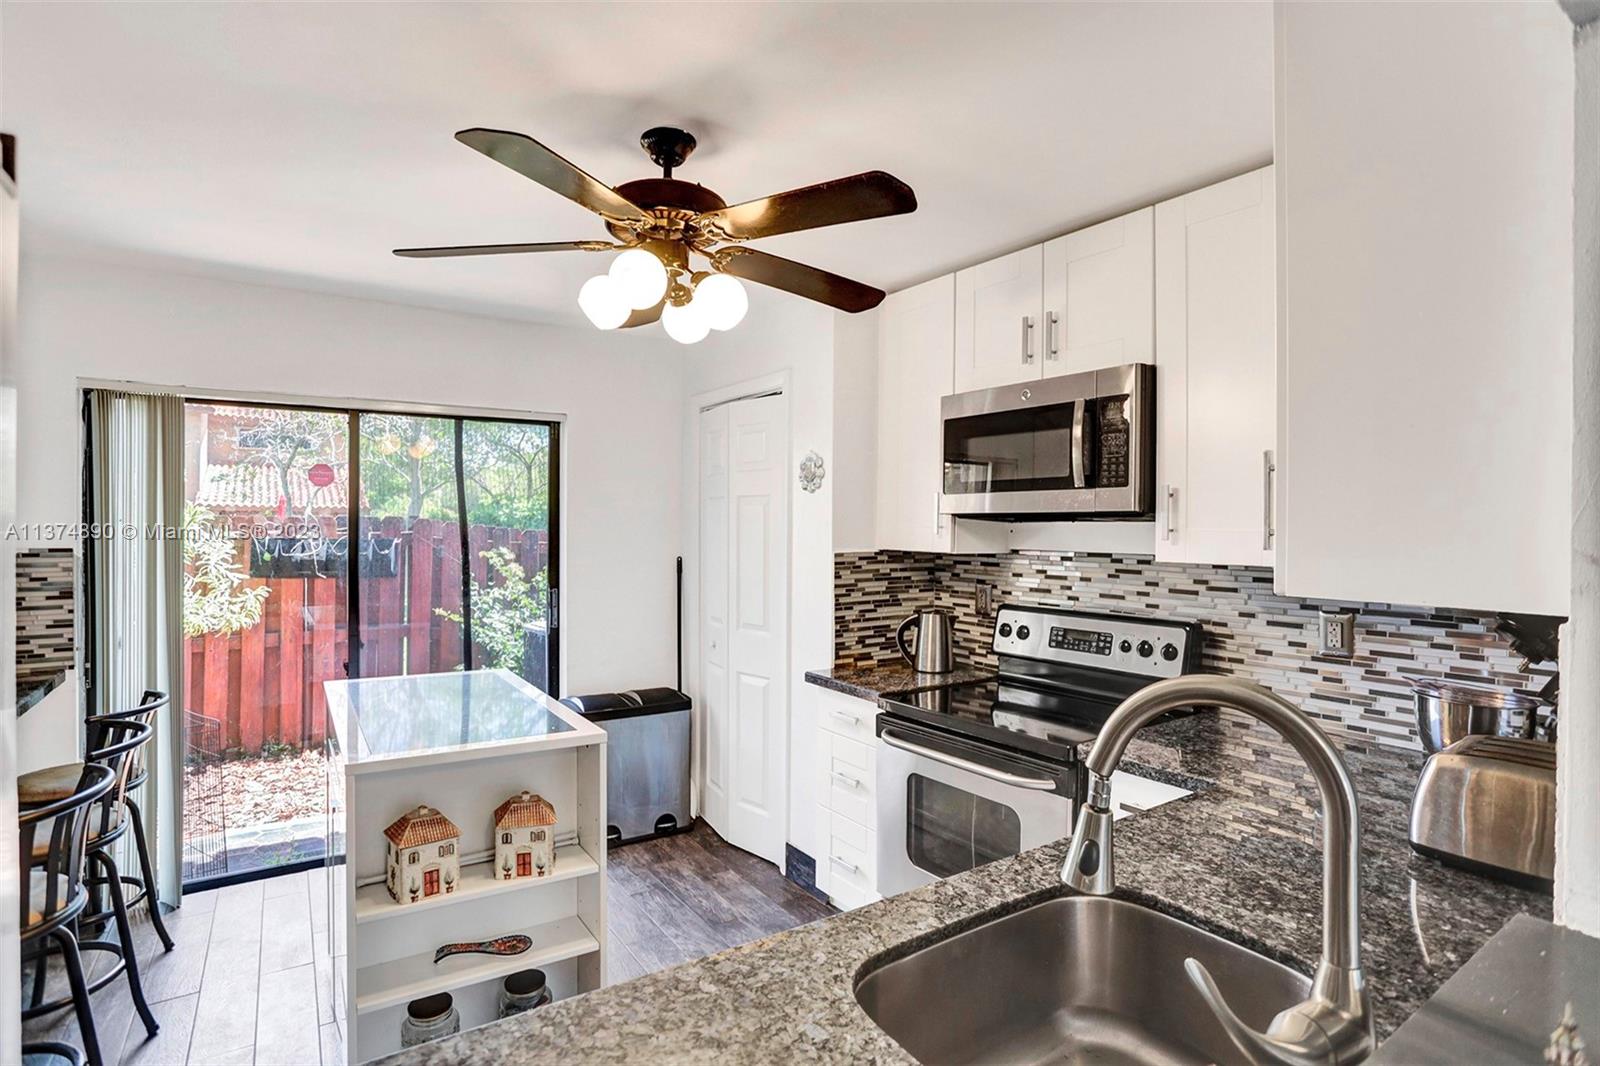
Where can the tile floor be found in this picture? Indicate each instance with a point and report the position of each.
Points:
(250, 981)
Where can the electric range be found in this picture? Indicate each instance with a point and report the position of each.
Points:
(974, 772)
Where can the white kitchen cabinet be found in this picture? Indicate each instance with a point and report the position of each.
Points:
(1427, 304)
(915, 342)
(846, 791)
(1099, 302)
(1216, 381)
(998, 321)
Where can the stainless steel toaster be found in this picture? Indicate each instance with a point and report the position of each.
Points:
(1489, 804)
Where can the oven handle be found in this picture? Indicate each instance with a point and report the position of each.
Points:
(1043, 784)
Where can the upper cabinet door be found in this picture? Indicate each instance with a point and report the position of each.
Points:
(999, 332)
(916, 340)
(1099, 298)
(915, 336)
(1216, 381)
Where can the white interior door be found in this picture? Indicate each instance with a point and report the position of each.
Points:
(714, 614)
(745, 621)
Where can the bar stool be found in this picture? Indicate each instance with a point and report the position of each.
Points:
(43, 785)
(112, 741)
(53, 893)
(144, 885)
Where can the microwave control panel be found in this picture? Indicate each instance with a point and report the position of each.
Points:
(1114, 439)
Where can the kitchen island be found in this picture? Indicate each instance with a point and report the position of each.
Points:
(461, 745)
(1240, 858)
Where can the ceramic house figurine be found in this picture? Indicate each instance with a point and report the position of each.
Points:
(423, 863)
(524, 837)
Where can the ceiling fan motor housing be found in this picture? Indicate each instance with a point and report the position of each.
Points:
(667, 146)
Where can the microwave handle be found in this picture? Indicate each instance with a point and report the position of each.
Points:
(1080, 409)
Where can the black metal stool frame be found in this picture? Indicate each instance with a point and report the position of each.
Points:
(68, 820)
(110, 742)
(151, 702)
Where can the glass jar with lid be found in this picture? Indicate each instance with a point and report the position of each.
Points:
(429, 1018)
(523, 991)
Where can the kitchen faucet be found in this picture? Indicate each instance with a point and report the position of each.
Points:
(1334, 1026)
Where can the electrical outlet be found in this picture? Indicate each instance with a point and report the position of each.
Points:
(1336, 631)
(983, 599)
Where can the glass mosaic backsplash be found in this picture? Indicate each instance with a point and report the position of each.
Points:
(1249, 631)
(44, 609)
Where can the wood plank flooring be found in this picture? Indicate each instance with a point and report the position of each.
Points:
(250, 980)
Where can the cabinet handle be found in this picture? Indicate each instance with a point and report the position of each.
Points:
(846, 716)
(846, 780)
(1027, 338)
(848, 867)
(1268, 471)
(1052, 335)
(1169, 528)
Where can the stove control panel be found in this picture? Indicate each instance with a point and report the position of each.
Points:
(1151, 648)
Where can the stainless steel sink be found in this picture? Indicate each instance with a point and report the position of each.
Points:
(1080, 979)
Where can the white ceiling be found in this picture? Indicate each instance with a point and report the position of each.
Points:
(297, 143)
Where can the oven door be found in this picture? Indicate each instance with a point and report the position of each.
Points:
(946, 804)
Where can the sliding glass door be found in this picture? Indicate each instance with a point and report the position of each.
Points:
(326, 544)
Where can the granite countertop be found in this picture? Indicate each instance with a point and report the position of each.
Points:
(1241, 858)
(872, 680)
(35, 684)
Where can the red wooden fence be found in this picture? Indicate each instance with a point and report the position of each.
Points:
(265, 684)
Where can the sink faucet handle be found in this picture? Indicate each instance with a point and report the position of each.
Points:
(1295, 1037)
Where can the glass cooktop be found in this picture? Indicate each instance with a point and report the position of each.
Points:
(1049, 722)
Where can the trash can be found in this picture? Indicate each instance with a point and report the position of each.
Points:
(647, 760)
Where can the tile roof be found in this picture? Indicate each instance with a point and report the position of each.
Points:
(521, 811)
(255, 487)
(421, 826)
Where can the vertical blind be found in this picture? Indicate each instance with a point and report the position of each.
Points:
(134, 558)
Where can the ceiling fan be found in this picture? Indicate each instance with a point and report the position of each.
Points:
(658, 223)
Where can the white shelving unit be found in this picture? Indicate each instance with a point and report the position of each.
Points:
(461, 743)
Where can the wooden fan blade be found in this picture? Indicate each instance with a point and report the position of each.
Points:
(802, 280)
(504, 249)
(533, 160)
(861, 196)
(645, 317)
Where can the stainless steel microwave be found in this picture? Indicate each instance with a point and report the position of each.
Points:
(1071, 447)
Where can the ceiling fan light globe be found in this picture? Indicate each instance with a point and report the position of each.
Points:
(601, 303)
(723, 299)
(639, 277)
(685, 323)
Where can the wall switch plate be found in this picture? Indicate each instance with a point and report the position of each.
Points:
(1336, 631)
(983, 599)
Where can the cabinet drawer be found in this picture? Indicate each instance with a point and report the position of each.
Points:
(852, 863)
(849, 774)
(846, 715)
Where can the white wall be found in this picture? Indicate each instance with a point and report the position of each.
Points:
(781, 334)
(620, 392)
(1424, 156)
(1578, 746)
(853, 467)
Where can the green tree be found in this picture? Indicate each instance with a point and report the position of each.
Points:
(408, 466)
(504, 609)
(214, 597)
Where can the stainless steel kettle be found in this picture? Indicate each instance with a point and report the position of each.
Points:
(932, 652)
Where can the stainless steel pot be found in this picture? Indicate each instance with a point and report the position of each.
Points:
(1447, 712)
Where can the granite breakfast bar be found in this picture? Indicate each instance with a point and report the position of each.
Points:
(1240, 858)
